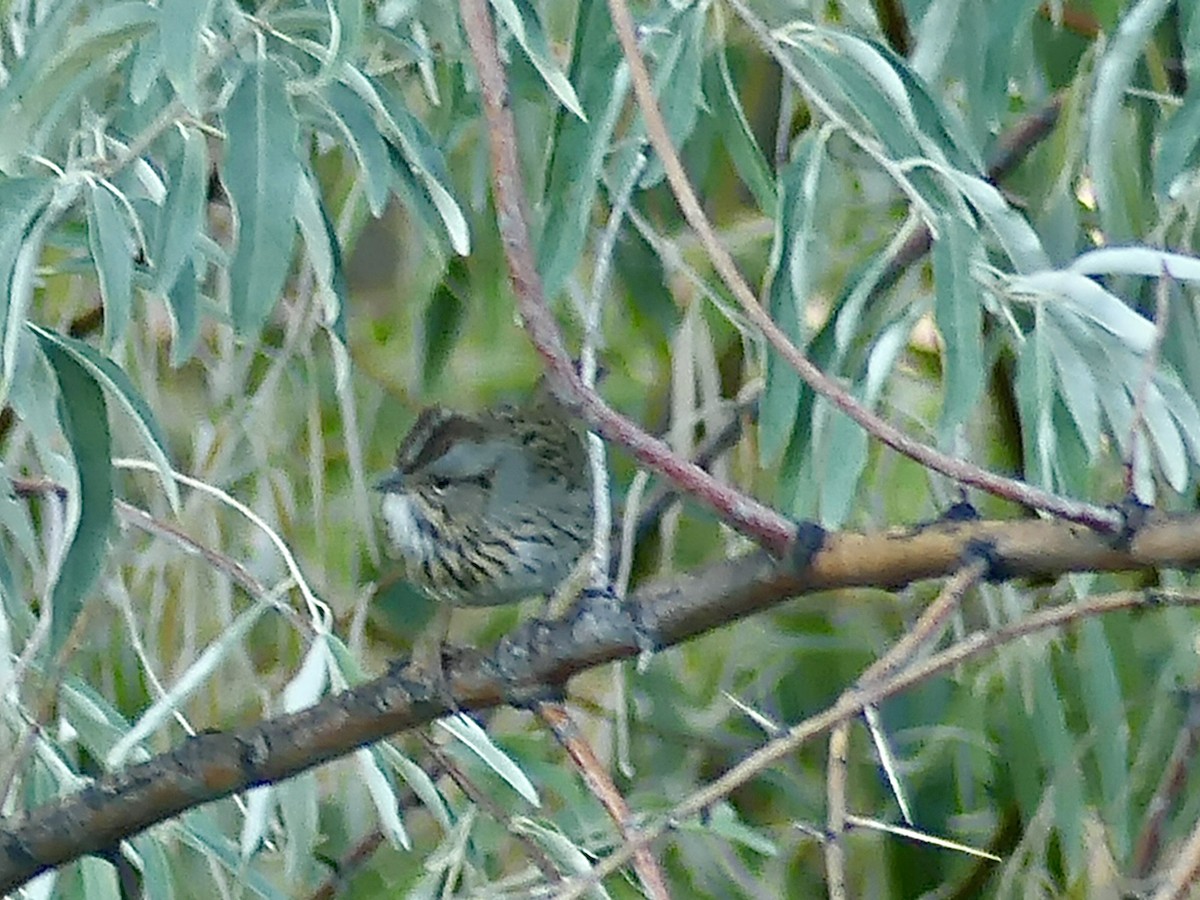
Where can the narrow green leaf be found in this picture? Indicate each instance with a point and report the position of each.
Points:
(845, 454)
(84, 420)
(1035, 398)
(35, 96)
(1113, 76)
(420, 782)
(581, 147)
(790, 277)
(192, 678)
(1164, 435)
(1178, 143)
(1085, 299)
(959, 318)
(425, 159)
(1014, 232)
(522, 21)
(97, 723)
(324, 253)
(1077, 386)
(443, 320)
(476, 739)
(1060, 758)
(181, 23)
(354, 117)
(199, 831)
(184, 302)
(111, 240)
(1137, 260)
(157, 873)
(21, 201)
(260, 170)
(103, 372)
(183, 210)
(1105, 705)
(729, 116)
(677, 82)
(383, 796)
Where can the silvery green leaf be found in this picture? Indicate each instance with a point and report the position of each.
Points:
(1183, 408)
(383, 796)
(467, 730)
(358, 125)
(157, 877)
(1078, 387)
(324, 253)
(84, 419)
(845, 460)
(300, 814)
(1088, 300)
(181, 24)
(420, 153)
(1137, 261)
(111, 241)
(580, 147)
(723, 820)
(260, 804)
(109, 375)
(307, 686)
(790, 277)
(730, 117)
(197, 829)
(260, 170)
(94, 719)
(1015, 234)
(959, 318)
(420, 782)
(565, 852)
(1114, 74)
(193, 677)
(1164, 433)
(522, 21)
(182, 216)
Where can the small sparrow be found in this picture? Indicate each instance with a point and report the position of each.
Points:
(490, 508)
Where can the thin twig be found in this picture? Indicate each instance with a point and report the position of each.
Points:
(1169, 792)
(595, 775)
(835, 815)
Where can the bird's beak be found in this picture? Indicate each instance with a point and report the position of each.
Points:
(393, 481)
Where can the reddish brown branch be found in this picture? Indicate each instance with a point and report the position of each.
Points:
(957, 469)
(752, 518)
(596, 776)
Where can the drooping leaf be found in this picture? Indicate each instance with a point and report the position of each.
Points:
(959, 319)
(84, 418)
(183, 211)
(106, 374)
(324, 252)
(111, 240)
(260, 171)
(354, 117)
(180, 25)
(522, 21)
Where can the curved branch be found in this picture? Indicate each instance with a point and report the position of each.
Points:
(747, 515)
(541, 657)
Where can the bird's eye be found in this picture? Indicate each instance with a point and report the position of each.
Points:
(440, 483)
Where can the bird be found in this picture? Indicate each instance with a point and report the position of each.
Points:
(489, 508)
